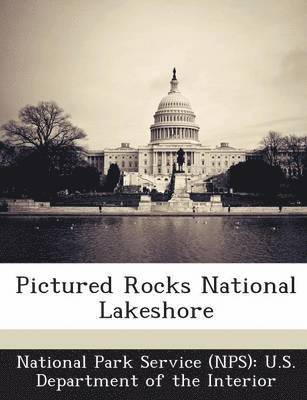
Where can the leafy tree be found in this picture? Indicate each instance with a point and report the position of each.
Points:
(255, 176)
(112, 178)
(28, 175)
(84, 178)
(7, 154)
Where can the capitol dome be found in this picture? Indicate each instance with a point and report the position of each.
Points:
(174, 121)
(174, 100)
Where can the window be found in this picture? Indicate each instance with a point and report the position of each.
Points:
(123, 164)
(203, 162)
(213, 164)
(130, 164)
(136, 164)
(145, 171)
(159, 170)
(145, 162)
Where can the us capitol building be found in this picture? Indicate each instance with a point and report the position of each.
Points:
(174, 127)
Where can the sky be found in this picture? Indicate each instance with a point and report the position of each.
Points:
(242, 64)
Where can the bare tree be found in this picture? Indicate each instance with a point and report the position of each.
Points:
(47, 130)
(296, 147)
(272, 144)
(47, 143)
(43, 126)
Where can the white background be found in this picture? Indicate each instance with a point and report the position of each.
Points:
(81, 311)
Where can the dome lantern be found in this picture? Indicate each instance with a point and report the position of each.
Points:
(174, 83)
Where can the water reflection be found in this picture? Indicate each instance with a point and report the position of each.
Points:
(153, 239)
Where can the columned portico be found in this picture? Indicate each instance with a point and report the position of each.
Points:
(165, 156)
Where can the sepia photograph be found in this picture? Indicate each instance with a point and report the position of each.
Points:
(158, 131)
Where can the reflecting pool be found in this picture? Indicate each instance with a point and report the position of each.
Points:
(153, 239)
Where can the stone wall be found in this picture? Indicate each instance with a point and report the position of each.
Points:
(28, 206)
(267, 210)
(24, 204)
